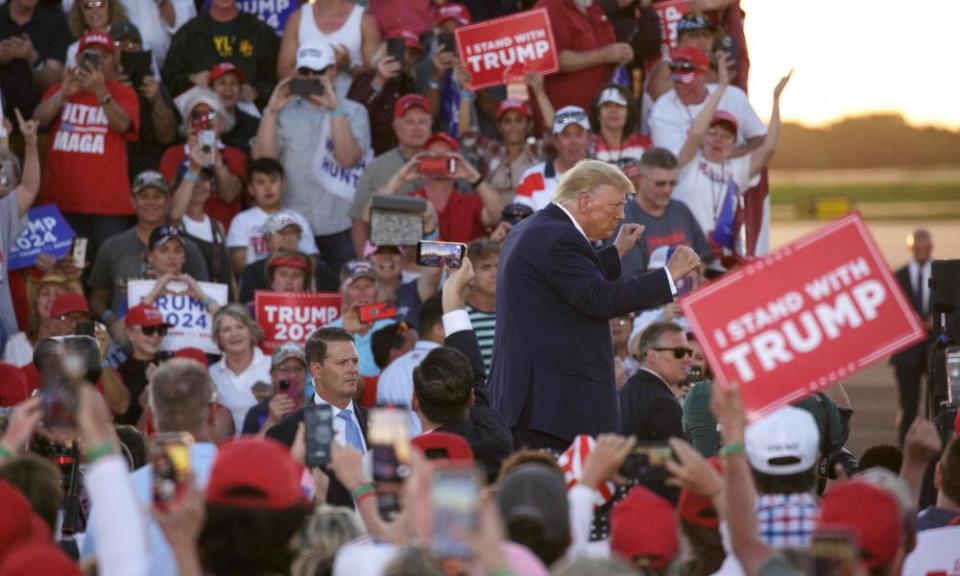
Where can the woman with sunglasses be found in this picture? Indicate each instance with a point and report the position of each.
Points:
(145, 329)
(40, 295)
(91, 16)
(502, 161)
(614, 119)
(205, 120)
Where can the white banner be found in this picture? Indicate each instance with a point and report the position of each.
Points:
(191, 326)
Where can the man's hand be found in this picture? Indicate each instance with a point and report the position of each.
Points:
(352, 323)
(28, 128)
(92, 79)
(619, 53)
(499, 233)
(71, 83)
(347, 465)
(341, 56)
(387, 68)
(329, 98)
(605, 459)
(22, 48)
(627, 237)
(443, 61)
(457, 285)
(23, 421)
(693, 473)
(728, 410)
(150, 88)
(281, 96)
(922, 443)
(683, 261)
(781, 85)
(465, 170)
(280, 405)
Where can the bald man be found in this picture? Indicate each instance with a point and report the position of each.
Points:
(910, 365)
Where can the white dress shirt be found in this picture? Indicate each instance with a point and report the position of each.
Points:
(233, 390)
(925, 270)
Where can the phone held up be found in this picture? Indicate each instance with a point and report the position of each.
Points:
(305, 87)
(389, 443)
(318, 428)
(170, 459)
(440, 254)
(455, 503)
(370, 313)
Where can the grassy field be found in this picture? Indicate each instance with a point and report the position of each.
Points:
(865, 192)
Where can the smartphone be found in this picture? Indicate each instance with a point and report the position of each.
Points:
(440, 254)
(207, 140)
(85, 328)
(447, 42)
(437, 166)
(90, 59)
(952, 358)
(283, 387)
(834, 552)
(318, 428)
(647, 462)
(370, 313)
(6, 174)
(397, 49)
(60, 399)
(63, 363)
(170, 458)
(389, 441)
(305, 87)
(78, 251)
(136, 65)
(455, 501)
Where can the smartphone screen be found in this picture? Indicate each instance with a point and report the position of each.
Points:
(437, 166)
(370, 313)
(90, 59)
(397, 49)
(170, 458)
(455, 500)
(440, 254)
(318, 428)
(79, 252)
(647, 462)
(389, 440)
(447, 41)
(305, 87)
(834, 553)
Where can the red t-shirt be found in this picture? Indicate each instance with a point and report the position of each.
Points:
(461, 220)
(216, 208)
(85, 170)
(579, 32)
(13, 385)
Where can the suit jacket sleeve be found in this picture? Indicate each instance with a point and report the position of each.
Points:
(665, 419)
(466, 342)
(286, 431)
(610, 260)
(573, 273)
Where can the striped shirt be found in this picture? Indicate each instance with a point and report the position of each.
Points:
(484, 324)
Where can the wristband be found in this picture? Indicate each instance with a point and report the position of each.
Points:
(4, 453)
(468, 95)
(338, 111)
(102, 449)
(360, 491)
(191, 176)
(733, 449)
(500, 572)
(476, 183)
(365, 495)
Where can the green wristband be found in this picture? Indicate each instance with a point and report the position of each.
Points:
(362, 489)
(102, 449)
(731, 449)
(4, 453)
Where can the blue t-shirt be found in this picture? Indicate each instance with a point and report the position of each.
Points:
(368, 367)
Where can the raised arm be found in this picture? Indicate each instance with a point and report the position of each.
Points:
(30, 179)
(702, 122)
(265, 143)
(535, 81)
(762, 154)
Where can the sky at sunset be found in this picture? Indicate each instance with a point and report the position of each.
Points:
(854, 57)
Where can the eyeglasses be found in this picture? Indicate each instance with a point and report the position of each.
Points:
(91, 4)
(297, 369)
(198, 116)
(127, 45)
(678, 352)
(153, 330)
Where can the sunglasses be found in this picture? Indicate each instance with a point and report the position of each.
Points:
(93, 4)
(198, 116)
(678, 352)
(126, 45)
(662, 183)
(152, 330)
(682, 67)
(568, 117)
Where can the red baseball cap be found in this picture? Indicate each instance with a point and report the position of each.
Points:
(696, 509)
(694, 56)
(195, 354)
(100, 40)
(509, 105)
(442, 137)
(408, 102)
(444, 446)
(410, 39)
(68, 303)
(19, 524)
(224, 68)
(255, 473)
(452, 11)
(871, 512)
(724, 117)
(287, 262)
(144, 315)
(644, 524)
(38, 558)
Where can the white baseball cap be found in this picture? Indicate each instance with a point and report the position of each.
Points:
(611, 95)
(315, 55)
(570, 115)
(784, 442)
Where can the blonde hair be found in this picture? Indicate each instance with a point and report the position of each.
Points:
(116, 13)
(586, 176)
(239, 313)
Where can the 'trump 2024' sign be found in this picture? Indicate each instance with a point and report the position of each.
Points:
(804, 317)
(502, 50)
(293, 316)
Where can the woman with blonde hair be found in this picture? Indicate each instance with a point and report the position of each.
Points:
(91, 16)
(243, 363)
(40, 295)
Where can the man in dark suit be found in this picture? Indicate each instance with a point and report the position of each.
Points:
(552, 375)
(649, 402)
(910, 365)
(333, 362)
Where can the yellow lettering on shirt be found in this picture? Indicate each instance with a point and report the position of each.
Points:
(223, 46)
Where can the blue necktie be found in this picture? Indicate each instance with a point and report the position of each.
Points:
(350, 427)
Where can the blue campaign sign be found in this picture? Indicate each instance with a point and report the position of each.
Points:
(47, 231)
(273, 12)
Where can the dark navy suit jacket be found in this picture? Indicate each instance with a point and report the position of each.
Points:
(916, 355)
(553, 358)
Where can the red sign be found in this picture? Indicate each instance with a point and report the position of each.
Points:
(502, 50)
(670, 12)
(293, 316)
(802, 318)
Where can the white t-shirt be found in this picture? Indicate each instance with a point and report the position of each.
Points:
(671, 119)
(537, 185)
(349, 36)
(234, 390)
(702, 186)
(246, 231)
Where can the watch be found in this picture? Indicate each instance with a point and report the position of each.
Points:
(106, 99)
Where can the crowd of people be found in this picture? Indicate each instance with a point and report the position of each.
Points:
(547, 424)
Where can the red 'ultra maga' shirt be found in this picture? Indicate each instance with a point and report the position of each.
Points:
(85, 169)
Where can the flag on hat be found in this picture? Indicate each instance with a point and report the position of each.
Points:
(571, 463)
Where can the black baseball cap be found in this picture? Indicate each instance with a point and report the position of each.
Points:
(513, 213)
(163, 234)
(125, 31)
